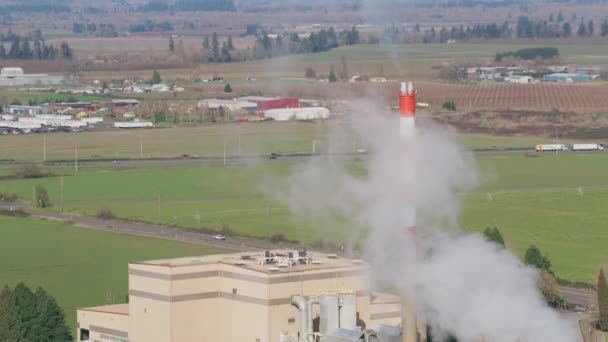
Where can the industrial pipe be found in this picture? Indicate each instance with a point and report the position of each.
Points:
(304, 305)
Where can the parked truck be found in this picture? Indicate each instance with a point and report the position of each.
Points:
(551, 147)
(587, 147)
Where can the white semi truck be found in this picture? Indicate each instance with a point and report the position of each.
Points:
(587, 147)
(551, 147)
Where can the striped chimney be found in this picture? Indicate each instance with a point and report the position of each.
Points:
(407, 131)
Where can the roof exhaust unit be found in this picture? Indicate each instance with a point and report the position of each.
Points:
(407, 132)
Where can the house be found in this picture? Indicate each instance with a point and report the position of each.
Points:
(519, 79)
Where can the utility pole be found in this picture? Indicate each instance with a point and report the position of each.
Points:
(141, 147)
(44, 147)
(224, 153)
(239, 142)
(314, 146)
(61, 193)
(158, 205)
(33, 196)
(76, 158)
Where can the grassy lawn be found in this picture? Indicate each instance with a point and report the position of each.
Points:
(208, 140)
(516, 194)
(79, 267)
(169, 142)
(25, 96)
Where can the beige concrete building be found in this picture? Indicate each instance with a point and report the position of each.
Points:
(245, 297)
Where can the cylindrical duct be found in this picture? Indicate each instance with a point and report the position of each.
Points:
(348, 311)
(330, 319)
(305, 316)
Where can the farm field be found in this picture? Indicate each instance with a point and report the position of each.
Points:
(208, 140)
(533, 200)
(67, 261)
(411, 60)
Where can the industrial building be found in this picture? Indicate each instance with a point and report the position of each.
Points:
(305, 113)
(267, 103)
(16, 77)
(231, 105)
(25, 110)
(567, 78)
(272, 296)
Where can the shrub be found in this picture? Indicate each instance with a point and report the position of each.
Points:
(9, 198)
(14, 212)
(106, 214)
(449, 105)
(42, 199)
(277, 237)
(29, 170)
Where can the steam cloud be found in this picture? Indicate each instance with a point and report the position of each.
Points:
(463, 285)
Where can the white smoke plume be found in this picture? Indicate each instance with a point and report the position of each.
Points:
(464, 285)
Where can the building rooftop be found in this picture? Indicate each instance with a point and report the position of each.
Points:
(119, 309)
(278, 262)
(566, 75)
(257, 98)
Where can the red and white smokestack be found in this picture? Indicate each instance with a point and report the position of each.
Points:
(407, 132)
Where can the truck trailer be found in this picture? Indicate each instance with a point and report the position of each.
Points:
(587, 147)
(551, 147)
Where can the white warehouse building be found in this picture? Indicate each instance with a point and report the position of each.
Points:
(305, 113)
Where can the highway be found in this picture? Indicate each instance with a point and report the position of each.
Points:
(252, 159)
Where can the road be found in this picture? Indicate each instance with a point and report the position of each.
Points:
(252, 159)
(586, 297)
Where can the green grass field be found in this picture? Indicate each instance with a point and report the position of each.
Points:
(25, 96)
(79, 268)
(255, 138)
(572, 52)
(532, 199)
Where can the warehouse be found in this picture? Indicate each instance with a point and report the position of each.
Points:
(231, 105)
(567, 78)
(305, 113)
(267, 103)
(16, 77)
(270, 296)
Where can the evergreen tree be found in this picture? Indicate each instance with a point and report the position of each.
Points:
(49, 325)
(5, 304)
(37, 53)
(560, 17)
(226, 53)
(310, 73)
(534, 258)
(602, 300)
(2, 51)
(156, 79)
(15, 50)
(567, 30)
(21, 314)
(332, 75)
(206, 44)
(66, 51)
(52, 52)
(494, 235)
(551, 18)
(604, 31)
(215, 47)
(171, 44)
(230, 44)
(26, 50)
(227, 89)
(582, 29)
(590, 28)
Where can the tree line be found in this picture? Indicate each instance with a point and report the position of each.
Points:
(151, 26)
(32, 46)
(525, 28)
(101, 30)
(31, 316)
